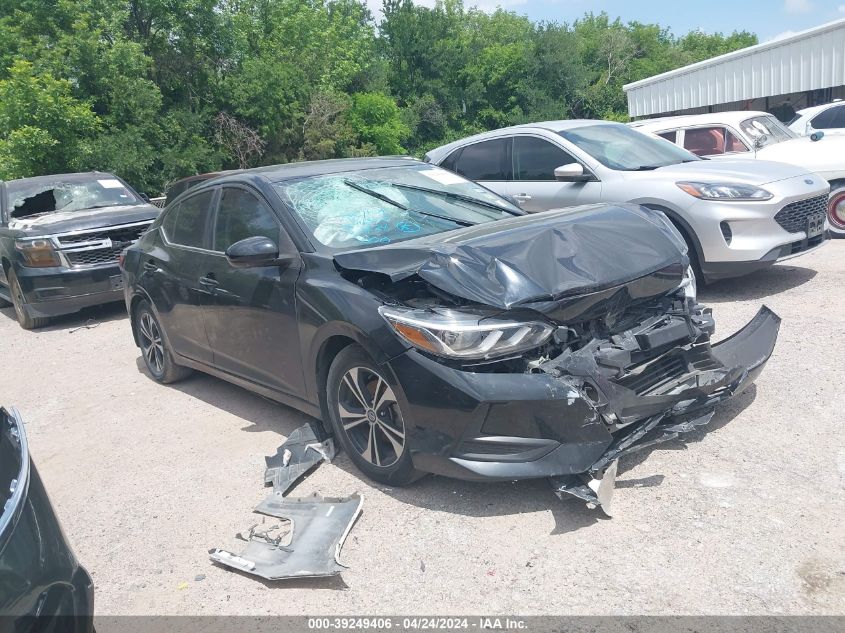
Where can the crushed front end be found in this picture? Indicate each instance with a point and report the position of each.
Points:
(554, 346)
(618, 374)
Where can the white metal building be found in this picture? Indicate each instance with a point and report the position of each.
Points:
(794, 72)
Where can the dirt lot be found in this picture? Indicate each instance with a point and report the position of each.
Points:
(746, 518)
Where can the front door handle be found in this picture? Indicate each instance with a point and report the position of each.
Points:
(150, 267)
(521, 197)
(209, 281)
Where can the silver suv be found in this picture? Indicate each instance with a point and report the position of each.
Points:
(736, 216)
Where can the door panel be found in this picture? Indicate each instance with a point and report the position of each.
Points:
(170, 272)
(250, 313)
(533, 184)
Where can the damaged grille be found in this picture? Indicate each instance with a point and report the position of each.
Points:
(793, 217)
(667, 369)
(99, 247)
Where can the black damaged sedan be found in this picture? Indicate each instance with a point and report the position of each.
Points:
(432, 325)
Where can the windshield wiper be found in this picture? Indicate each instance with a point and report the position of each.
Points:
(455, 196)
(646, 168)
(389, 200)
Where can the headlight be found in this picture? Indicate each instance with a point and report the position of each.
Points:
(727, 191)
(688, 284)
(38, 253)
(462, 335)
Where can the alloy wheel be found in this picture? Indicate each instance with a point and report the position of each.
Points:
(152, 345)
(17, 298)
(836, 209)
(370, 416)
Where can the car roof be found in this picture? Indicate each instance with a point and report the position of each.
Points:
(818, 108)
(686, 120)
(548, 126)
(71, 176)
(276, 173)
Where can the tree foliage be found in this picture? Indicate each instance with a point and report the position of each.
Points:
(159, 89)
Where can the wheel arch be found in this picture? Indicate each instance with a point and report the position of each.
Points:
(682, 226)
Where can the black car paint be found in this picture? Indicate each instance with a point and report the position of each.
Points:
(554, 430)
(42, 586)
(53, 291)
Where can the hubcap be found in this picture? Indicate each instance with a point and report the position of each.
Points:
(836, 211)
(151, 344)
(17, 298)
(370, 416)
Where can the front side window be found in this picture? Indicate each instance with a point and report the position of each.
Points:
(487, 160)
(190, 221)
(66, 194)
(536, 159)
(621, 148)
(240, 215)
(766, 130)
(372, 207)
(709, 141)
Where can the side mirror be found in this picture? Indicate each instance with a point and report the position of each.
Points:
(144, 197)
(254, 252)
(572, 172)
(760, 141)
(817, 136)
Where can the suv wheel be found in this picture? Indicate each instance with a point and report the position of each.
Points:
(367, 418)
(19, 301)
(154, 348)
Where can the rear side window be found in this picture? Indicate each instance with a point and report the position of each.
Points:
(188, 226)
(241, 215)
(671, 135)
(536, 159)
(487, 160)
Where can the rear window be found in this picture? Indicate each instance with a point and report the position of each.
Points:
(487, 160)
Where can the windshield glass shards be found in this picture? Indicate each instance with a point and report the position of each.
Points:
(381, 206)
(76, 192)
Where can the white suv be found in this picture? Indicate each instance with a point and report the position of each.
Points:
(733, 135)
(829, 118)
(736, 216)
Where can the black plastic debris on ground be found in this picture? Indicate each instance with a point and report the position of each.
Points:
(319, 527)
(300, 453)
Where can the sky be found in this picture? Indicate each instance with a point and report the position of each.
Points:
(769, 19)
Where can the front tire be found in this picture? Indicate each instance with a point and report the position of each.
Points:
(367, 418)
(19, 301)
(158, 358)
(836, 209)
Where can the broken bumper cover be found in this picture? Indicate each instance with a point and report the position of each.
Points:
(570, 419)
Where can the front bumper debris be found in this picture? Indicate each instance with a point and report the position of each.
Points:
(299, 454)
(319, 527)
(672, 408)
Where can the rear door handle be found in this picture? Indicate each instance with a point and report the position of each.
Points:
(209, 281)
(150, 267)
(522, 197)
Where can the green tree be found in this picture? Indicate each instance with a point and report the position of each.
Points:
(375, 118)
(43, 128)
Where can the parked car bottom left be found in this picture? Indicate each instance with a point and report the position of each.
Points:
(42, 586)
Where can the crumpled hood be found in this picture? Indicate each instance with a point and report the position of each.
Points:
(84, 219)
(744, 171)
(533, 258)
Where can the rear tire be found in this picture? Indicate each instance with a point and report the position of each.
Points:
(367, 419)
(19, 301)
(157, 355)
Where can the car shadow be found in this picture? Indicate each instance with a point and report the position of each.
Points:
(85, 318)
(442, 494)
(764, 283)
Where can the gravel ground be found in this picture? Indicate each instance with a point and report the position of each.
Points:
(743, 519)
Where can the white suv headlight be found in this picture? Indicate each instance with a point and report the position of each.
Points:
(456, 334)
(724, 191)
